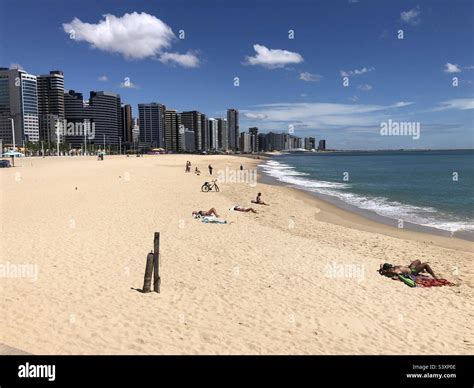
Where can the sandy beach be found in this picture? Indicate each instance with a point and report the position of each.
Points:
(299, 277)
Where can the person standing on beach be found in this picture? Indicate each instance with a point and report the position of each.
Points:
(241, 167)
(210, 169)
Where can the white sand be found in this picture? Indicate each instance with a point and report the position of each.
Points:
(259, 285)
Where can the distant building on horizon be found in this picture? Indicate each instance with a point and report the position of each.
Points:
(244, 142)
(205, 136)
(322, 145)
(18, 100)
(233, 128)
(253, 139)
(152, 124)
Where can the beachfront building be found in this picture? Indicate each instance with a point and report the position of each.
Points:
(192, 121)
(253, 139)
(222, 135)
(262, 142)
(309, 143)
(152, 125)
(127, 126)
(189, 141)
(233, 128)
(213, 134)
(322, 145)
(105, 108)
(244, 142)
(96, 122)
(172, 122)
(19, 101)
(51, 106)
(205, 136)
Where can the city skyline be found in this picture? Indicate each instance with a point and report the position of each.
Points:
(282, 82)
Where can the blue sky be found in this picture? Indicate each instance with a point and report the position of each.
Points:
(282, 82)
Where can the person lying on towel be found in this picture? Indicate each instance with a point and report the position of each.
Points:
(416, 267)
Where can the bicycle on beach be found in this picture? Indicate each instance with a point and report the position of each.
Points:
(208, 186)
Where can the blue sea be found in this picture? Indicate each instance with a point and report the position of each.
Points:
(432, 189)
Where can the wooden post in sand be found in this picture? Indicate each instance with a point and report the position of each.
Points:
(148, 272)
(156, 263)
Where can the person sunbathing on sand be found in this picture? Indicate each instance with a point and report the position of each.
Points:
(259, 201)
(203, 213)
(416, 267)
(238, 208)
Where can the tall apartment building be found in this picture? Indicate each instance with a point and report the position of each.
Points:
(106, 113)
(222, 135)
(18, 100)
(205, 145)
(127, 125)
(191, 120)
(253, 139)
(152, 124)
(101, 113)
(322, 145)
(213, 134)
(51, 106)
(172, 122)
(244, 142)
(233, 128)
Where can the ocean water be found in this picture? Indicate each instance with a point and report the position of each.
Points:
(428, 188)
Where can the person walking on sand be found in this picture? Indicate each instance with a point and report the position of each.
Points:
(210, 169)
(241, 167)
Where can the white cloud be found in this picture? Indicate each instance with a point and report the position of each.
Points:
(451, 68)
(255, 116)
(411, 17)
(186, 60)
(457, 104)
(365, 87)
(103, 78)
(128, 85)
(354, 98)
(350, 73)
(309, 77)
(272, 58)
(133, 35)
(321, 115)
(16, 66)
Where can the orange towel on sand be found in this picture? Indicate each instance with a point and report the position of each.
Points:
(424, 281)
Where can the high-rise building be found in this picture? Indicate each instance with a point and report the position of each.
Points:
(152, 124)
(105, 108)
(18, 100)
(233, 128)
(127, 125)
(51, 106)
(222, 135)
(189, 141)
(213, 134)
(262, 142)
(309, 143)
(253, 139)
(192, 121)
(244, 145)
(135, 130)
(101, 115)
(322, 145)
(172, 122)
(205, 145)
